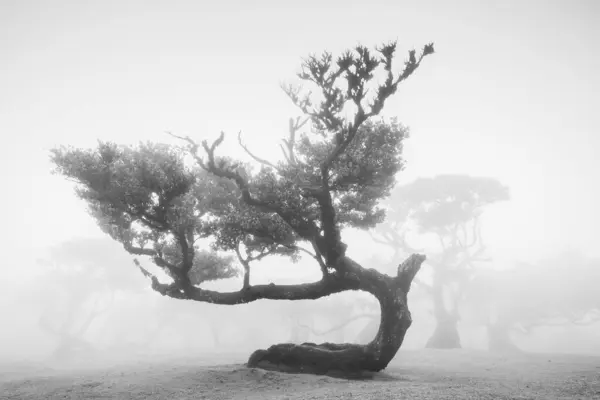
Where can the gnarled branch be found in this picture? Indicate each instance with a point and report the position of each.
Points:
(355, 278)
(255, 157)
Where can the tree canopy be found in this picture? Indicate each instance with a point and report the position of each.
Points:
(148, 198)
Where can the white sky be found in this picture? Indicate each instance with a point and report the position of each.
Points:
(512, 92)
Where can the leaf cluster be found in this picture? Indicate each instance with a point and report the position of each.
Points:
(156, 204)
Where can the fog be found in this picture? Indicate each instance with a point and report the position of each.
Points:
(510, 96)
(86, 305)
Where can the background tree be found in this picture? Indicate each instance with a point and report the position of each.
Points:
(564, 294)
(80, 280)
(447, 208)
(148, 199)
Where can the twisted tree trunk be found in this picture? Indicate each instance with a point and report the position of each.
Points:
(352, 359)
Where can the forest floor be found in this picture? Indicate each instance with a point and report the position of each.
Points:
(422, 374)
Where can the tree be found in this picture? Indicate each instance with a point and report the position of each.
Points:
(80, 278)
(334, 176)
(447, 207)
(506, 302)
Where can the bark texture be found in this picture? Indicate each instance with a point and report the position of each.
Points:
(351, 360)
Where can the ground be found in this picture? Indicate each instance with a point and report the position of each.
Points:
(423, 374)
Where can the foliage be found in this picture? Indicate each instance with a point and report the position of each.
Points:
(148, 198)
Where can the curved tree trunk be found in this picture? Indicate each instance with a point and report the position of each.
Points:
(350, 360)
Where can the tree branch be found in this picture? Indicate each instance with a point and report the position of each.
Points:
(171, 269)
(294, 127)
(319, 257)
(187, 253)
(358, 70)
(331, 245)
(254, 157)
(306, 291)
(393, 239)
(139, 251)
(148, 220)
(356, 278)
(305, 229)
(408, 269)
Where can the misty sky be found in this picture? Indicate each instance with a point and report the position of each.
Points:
(512, 92)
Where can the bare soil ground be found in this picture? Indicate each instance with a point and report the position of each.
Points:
(423, 374)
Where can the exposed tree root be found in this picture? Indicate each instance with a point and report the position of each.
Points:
(350, 361)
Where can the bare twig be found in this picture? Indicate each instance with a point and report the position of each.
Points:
(294, 127)
(254, 157)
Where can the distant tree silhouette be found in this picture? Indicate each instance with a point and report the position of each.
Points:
(449, 208)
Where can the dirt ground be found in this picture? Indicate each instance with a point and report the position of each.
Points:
(423, 374)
